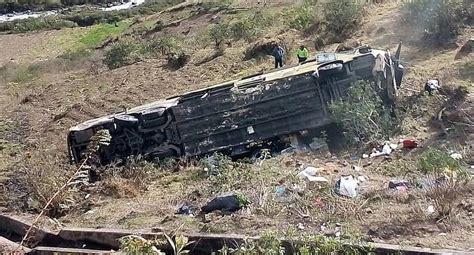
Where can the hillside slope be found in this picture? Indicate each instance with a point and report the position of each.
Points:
(43, 95)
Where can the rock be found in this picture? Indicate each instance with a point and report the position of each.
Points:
(465, 50)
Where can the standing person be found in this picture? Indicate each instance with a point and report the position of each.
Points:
(302, 53)
(278, 52)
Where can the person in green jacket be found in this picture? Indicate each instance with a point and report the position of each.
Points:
(302, 53)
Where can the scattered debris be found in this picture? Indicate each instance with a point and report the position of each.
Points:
(280, 190)
(430, 209)
(387, 149)
(300, 226)
(456, 155)
(347, 186)
(357, 168)
(398, 184)
(308, 174)
(432, 85)
(410, 144)
(228, 202)
(186, 209)
(362, 178)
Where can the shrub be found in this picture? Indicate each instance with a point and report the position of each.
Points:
(449, 178)
(43, 23)
(341, 16)
(124, 52)
(440, 19)
(300, 18)
(362, 114)
(220, 33)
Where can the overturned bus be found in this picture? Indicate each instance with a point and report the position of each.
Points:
(235, 116)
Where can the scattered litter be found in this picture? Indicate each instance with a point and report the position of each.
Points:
(362, 178)
(308, 174)
(365, 156)
(280, 190)
(228, 202)
(426, 183)
(87, 196)
(430, 209)
(357, 168)
(442, 234)
(300, 226)
(337, 230)
(409, 144)
(387, 149)
(347, 186)
(432, 85)
(308, 171)
(456, 156)
(185, 209)
(398, 184)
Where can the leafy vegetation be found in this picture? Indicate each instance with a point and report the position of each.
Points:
(363, 115)
(301, 17)
(341, 16)
(124, 52)
(84, 18)
(36, 24)
(449, 180)
(440, 19)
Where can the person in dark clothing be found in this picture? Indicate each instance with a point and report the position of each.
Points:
(278, 52)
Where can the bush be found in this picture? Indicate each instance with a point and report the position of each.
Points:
(220, 33)
(300, 18)
(362, 114)
(124, 52)
(341, 16)
(449, 179)
(37, 24)
(440, 19)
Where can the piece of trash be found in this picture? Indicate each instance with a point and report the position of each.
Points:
(397, 184)
(442, 234)
(346, 186)
(430, 209)
(432, 85)
(228, 202)
(456, 156)
(280, 190)
(361, 179)
(365, 156)
(300, 226)
(386, 150)
(409, 144)
(357, 168)
(427, 183)
(87, 196)
(185, 209)
(308, 174)
(308, 171)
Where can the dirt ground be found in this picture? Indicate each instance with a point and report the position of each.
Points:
(37, 113)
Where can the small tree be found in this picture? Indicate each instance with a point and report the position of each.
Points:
(362, 114)
(341, 16)
(220, 33)
(124, 52)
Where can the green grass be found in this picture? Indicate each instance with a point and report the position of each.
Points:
(99, 33)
